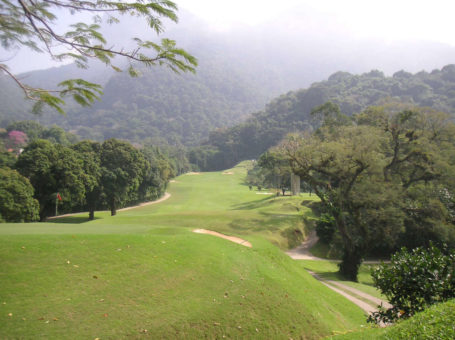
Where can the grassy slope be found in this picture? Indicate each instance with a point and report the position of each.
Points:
(145, 270)
(437, 322)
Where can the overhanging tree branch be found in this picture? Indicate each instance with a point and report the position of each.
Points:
(30, 23)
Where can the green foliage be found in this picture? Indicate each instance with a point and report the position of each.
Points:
(325, 228)
(380, 180)
(16, 198)
(153, 168)
(436, 322)
(35, 131)
(33, 24)
(7, 159)
(89, 153)
(413, 281)
(122, 170)
(51, 169)
(156, 176)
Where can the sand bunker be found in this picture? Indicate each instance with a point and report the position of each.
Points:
(229, 238)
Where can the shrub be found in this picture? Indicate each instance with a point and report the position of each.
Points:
(414, 280)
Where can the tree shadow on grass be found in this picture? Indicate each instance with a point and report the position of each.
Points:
(336, 276)
(254, 204)
(71, 219)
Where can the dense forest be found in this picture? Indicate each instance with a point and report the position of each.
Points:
(292, 112)
(159, 105)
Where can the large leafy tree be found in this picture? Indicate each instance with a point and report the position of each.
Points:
(89, 153)
(379, 178)
(122, 171)
(16, 198)
(33, 24)
(51, 169)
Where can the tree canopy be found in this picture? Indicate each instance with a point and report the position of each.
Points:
(34, 25)
(385, 179)
(122, 170)
(52, 169)
(16, 198)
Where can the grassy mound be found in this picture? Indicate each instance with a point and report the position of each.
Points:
(144, 273)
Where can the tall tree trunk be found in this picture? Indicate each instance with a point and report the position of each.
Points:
(42, 212)
(91, 213)
(113, 210)
(352, 253)
(350, 263)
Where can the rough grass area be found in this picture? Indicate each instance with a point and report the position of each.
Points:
(329, 270)
(173, 283)
(437, 322)
(144, 274)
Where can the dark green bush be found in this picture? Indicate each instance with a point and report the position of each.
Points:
(325, 228)
(414, 280)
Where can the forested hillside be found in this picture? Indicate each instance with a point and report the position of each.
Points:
(291, 112)
(157, 105)
(238, 73)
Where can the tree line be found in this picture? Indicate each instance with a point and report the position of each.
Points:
(84, 176)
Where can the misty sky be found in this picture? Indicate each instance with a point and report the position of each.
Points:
(386, 20)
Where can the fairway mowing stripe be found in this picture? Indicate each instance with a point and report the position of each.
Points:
(229, 238)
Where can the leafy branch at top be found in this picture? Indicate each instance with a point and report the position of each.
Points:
(32, 24)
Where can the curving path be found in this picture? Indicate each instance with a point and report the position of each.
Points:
(363, 300)
(165, 197)
(302, 252)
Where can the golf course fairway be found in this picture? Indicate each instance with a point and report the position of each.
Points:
(144, 274)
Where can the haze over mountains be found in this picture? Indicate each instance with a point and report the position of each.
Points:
(239, 72)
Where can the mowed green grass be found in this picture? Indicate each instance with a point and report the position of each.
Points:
(144, 274)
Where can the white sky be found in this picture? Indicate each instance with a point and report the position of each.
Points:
(388, 20)
(385, 19)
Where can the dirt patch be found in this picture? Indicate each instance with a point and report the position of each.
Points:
(227, 173)
(229, 238)
(173, 181)
(302, 252)
(264, 193)
(193, 173)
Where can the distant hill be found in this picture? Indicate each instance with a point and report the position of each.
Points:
(291, 112)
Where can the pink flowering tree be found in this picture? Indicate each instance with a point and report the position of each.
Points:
(16, 139)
